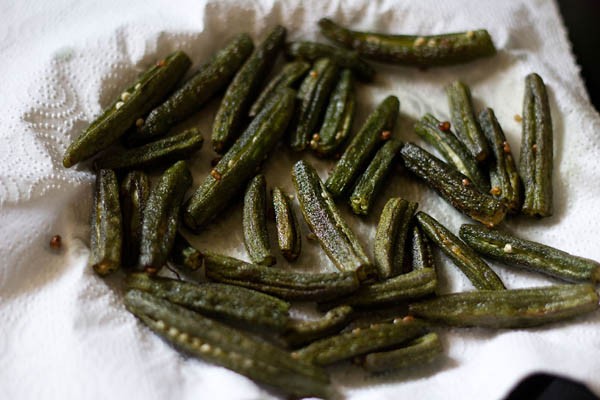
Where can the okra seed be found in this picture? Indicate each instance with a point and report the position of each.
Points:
(183, 337)
(495, 191)
(466, 182)
(125, 96)
(518, 118)
(230, 163)
(420, 41)
(385, 135)
(215, 174)
(314, 74)
(205, 348)
(139, 122)
(506, 147)
(431, 43)
(316, 137)
(173, 332)
(508, 248)
(119, 104)
(534, 148)
(160, 325)
(470, 34)
(137, 86)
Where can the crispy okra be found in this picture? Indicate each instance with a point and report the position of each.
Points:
(254, 222)
(134, 193)
(300, 333)
(289, 236)
(420, 250)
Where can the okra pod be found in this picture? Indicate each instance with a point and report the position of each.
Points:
(361, 341)
(106, 231)
(422, 350)
(516, 308)
(243, 89)
(312, 51)
(161, 216)
(291, 73)
(536, 149)
(222, 345)
(137, 100)
(134, 193)
(289, 235)
(254, 221)
(420, 250)
(453, 186)
(210, 79)
(413, 50)
(338, 116)
(364, 144)
(286, 285)
(232, 303)
(300, 333)
(313, 94)
(371, 181)
(477, 271)
(390, 237)
(512, 250)
(324, 220)
(464, 120)
(239, 164)
(185, 255)
(505, 180)
(428, 128)
(163, 151)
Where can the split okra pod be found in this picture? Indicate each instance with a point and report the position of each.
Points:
(289, 236)
(254, 222)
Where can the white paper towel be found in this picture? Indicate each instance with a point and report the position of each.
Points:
(64, 333)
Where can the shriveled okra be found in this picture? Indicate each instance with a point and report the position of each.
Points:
(254, 222)
(516, 308)
(477, 271)
(183, 254)
(505, 181)
(141, 97)
(217, 343)
(134, 193)
(453, 186)
(287, 285)
(370, 182)
(338, 117)
(422, 350)
(465, 121)
(364, 144)
(291, 73)
(535, 163)
(512, 250)
(232, 303)
(289, 235)
(167, 150)
(390, 237)
(239, 164)
(420, 250)
(313, 94)
(428, 128)
(361, 341)
(312, 51)
(324, 220)
(416, 50)
(210, 79)
(106, 231)
(300, 333)
(161, 216)
(243, 90)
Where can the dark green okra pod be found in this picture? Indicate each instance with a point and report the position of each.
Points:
(364, 144)
(516, 308)
(464, 120)
(422, 350)
(452, 149)
(338, 116)
(289, 235)
(477, 271)
(217, 343)
(106, 231)
(536, 149)
(300, 333)
(419, 51)
(313, 94)
(453, 186)
(239, 164)
(163, 151)
(232, 303)
(254, 222)
(146, 93)
(390, 237)
(291, 73)
(243, 90)
(287, 285)
(371, 181)
(161, 216)
(505, 180)
(324, 220)
(312, 51)
(360, 341)
(135, 190)
(420, 250)
(210, 79)
(185, 255)
(512, 250)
